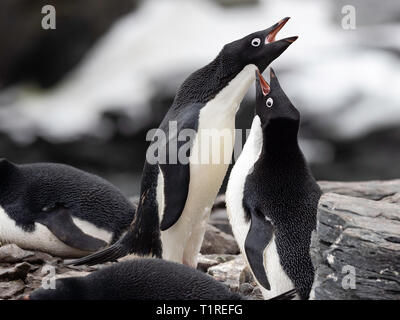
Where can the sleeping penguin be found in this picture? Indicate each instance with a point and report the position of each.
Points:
(272, 196)
(179, 191)
(59, 209)
(142, 279)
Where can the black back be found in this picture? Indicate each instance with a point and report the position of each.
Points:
(140, 279)
(25, 190)
(282, 187)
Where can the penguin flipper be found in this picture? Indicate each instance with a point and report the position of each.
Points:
(259, 236)
(176, 172)
(60, 223)
(119, 249)
(175, 175)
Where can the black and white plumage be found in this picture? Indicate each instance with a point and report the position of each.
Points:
(141, 279)
(272, 196)
(177, 197)
(59, 209)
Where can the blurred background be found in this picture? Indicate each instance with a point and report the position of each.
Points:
(87, 92)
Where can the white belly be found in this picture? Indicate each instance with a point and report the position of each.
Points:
(277, 277)
(186, 235)
(234, 192)
(210, 157)
(42, 239)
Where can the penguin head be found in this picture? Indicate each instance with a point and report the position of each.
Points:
(259, 48)
(273, 106)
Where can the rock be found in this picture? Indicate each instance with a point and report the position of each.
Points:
(11, 253)
(388, 191)
(209, 260)
(17, 272)
(41, 258)
(247, 277)
(357, 239)
(229, 273)
(72, 273)
(219, 219)
(257, 294)
(246, 289)
(216, 241)
(219, 203)
(11, 288)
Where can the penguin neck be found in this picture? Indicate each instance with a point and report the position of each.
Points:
(280, 140)
(233, 93)
(222, 77)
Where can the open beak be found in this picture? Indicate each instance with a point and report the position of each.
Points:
(275, 29)
(264, 85)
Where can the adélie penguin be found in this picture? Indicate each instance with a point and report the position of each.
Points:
(178, 194)
(59, 209)
(272, 196)
(142, 279)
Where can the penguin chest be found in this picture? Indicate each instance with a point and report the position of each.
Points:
(41, 238)
(237, 180)
(210, 157)
(277, 277)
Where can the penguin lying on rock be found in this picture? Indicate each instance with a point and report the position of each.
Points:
(272, 196)
(142, 279)
(178, 195)
(59, 209)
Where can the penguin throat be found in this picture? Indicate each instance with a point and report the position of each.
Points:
(280, 138)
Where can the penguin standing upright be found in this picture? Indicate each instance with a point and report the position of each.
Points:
(59, 209)
(272, 196)
(178, 195)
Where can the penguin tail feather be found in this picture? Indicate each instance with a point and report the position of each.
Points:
(112, 253)
(288, 295)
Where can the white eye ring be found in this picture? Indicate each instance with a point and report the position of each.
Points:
(269, 102)
(256, 42)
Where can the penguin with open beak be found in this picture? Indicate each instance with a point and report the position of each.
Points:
(177, 194)
(272, 196)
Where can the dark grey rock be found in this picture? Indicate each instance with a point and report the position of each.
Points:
(360, 235)
(41, 258)
(10, 289)
(246, 289)
(209, 260)
(216, 241)
(17, 272)
(247, 277)
(388, 191)
(257, 294)
(229, 273)
(11, 253)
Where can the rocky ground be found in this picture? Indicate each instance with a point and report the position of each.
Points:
(357, 243)
(358, 226)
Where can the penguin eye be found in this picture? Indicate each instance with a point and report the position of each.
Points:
(269, 102)
(256, 42)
